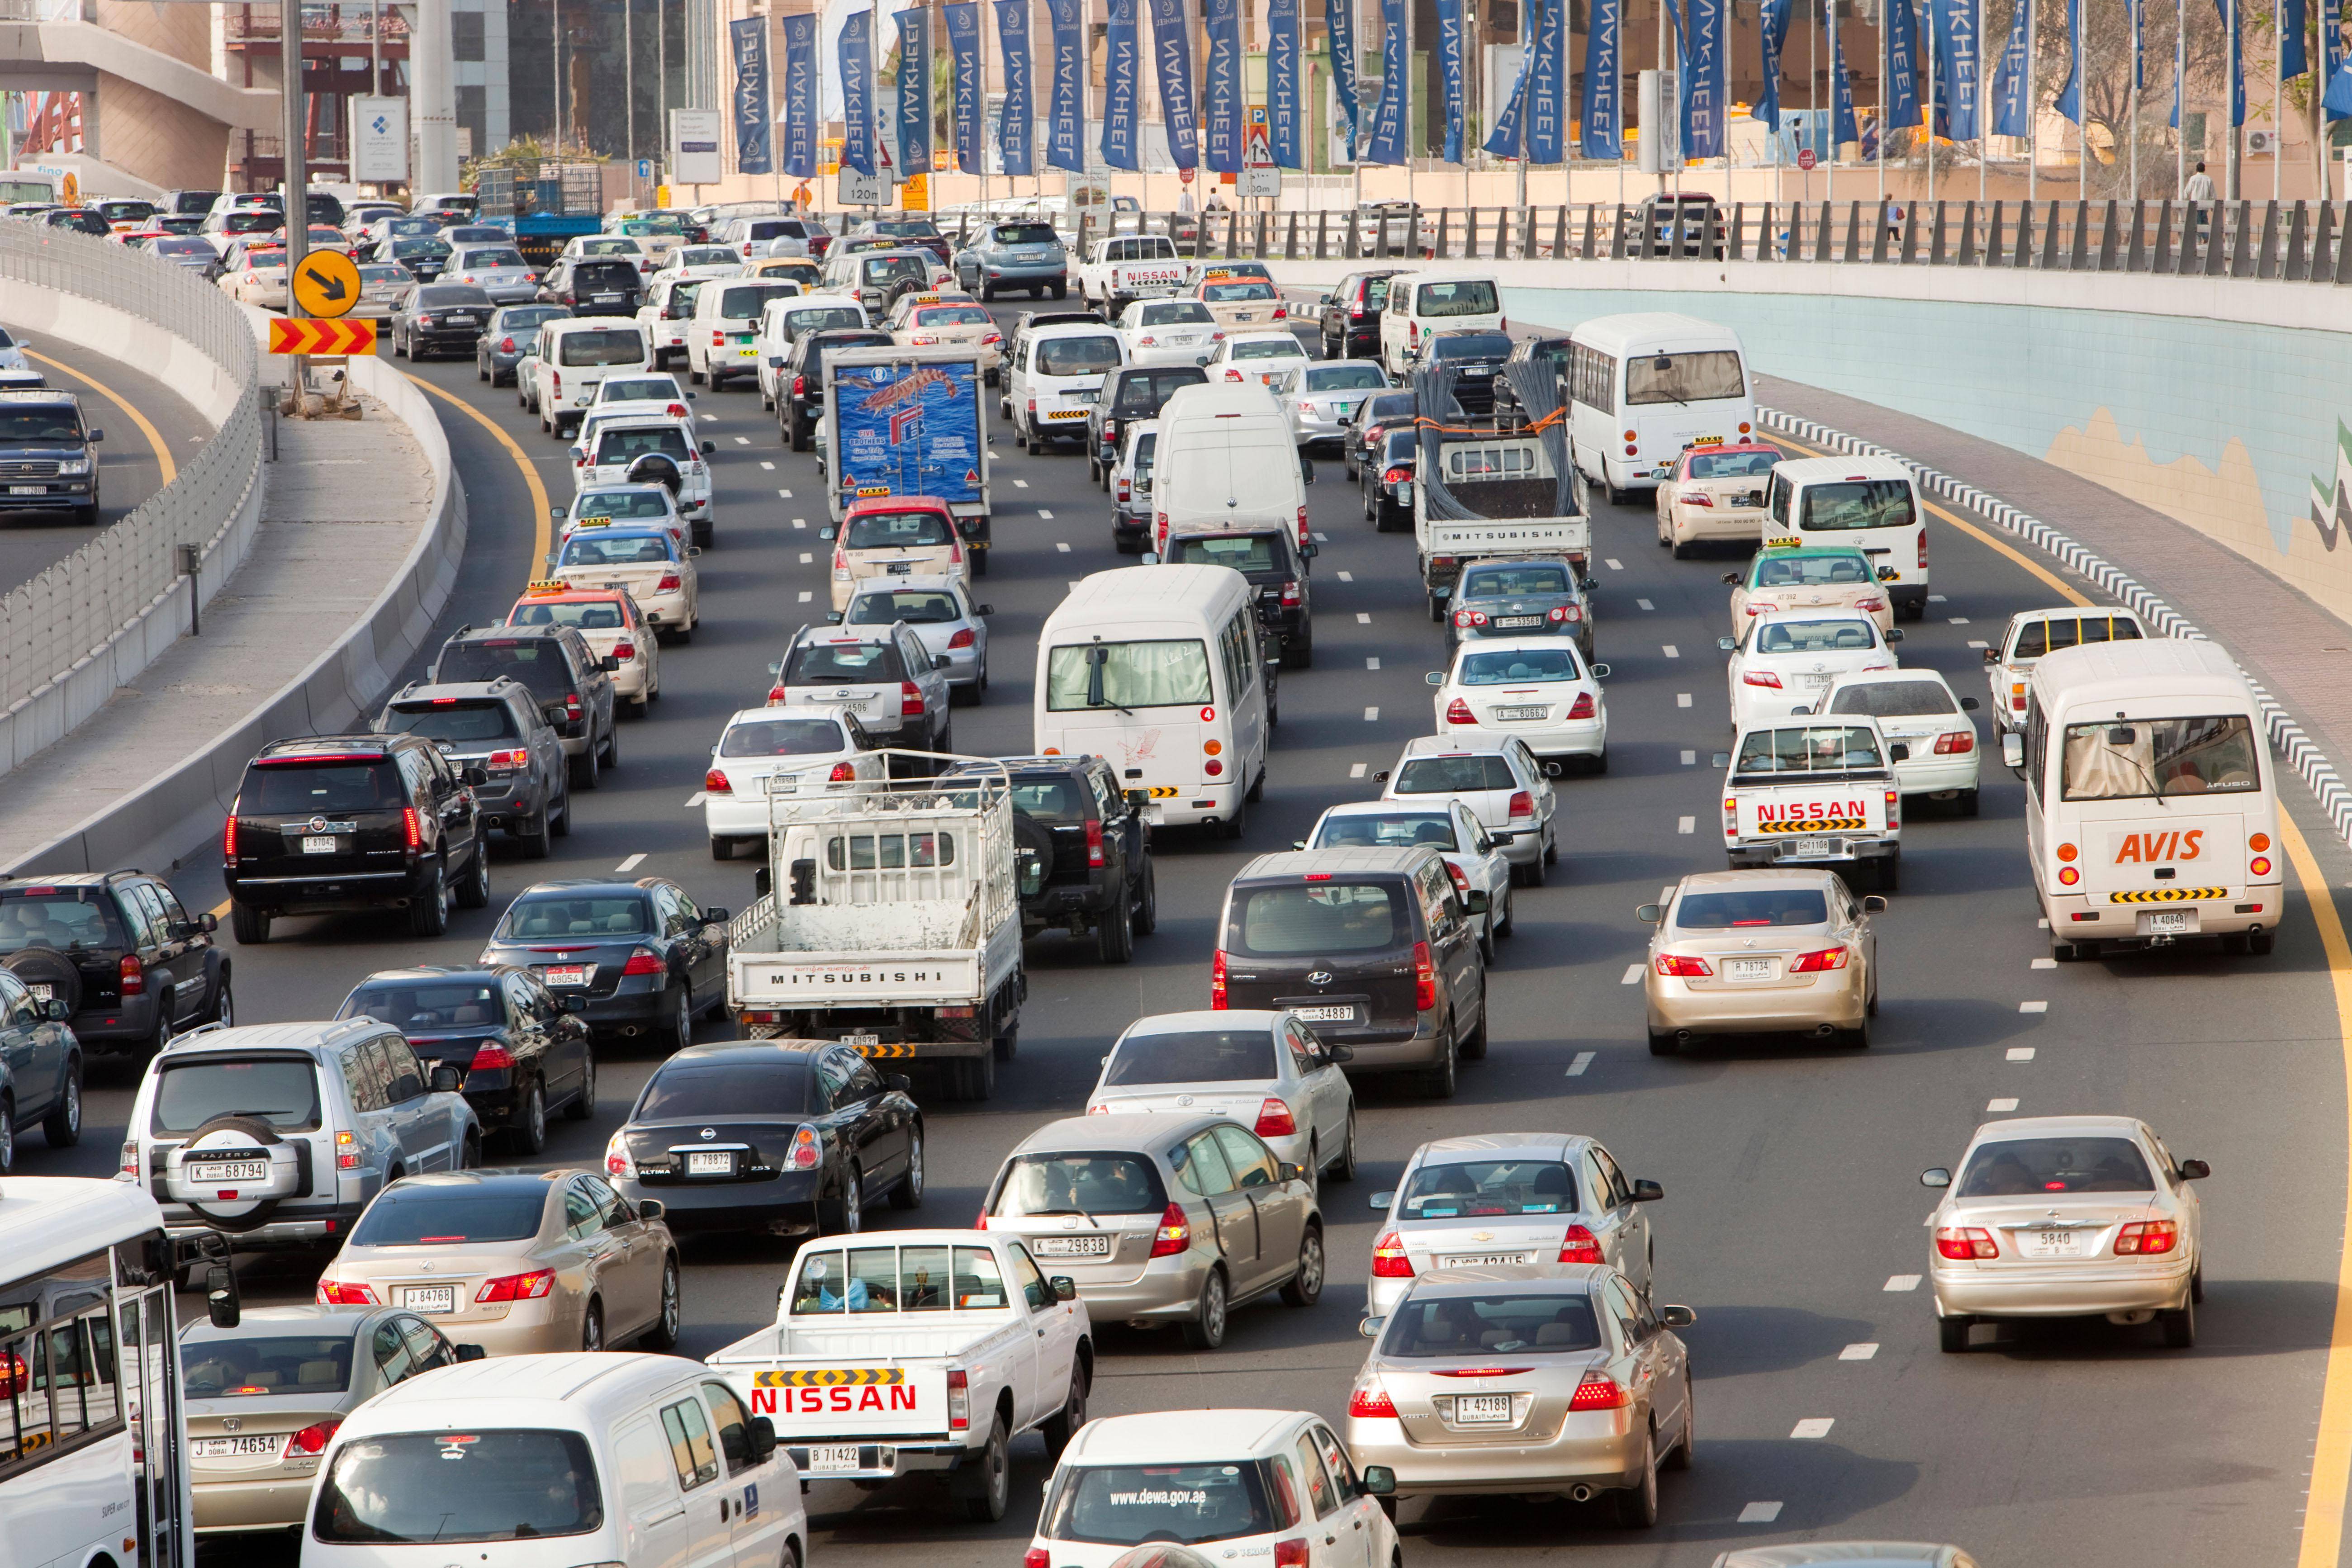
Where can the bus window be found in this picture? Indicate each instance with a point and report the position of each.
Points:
(1712, 374)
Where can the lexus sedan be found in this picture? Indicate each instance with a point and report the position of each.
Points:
(644, 956)
(1761, 952)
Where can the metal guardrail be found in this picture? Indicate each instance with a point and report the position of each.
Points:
(67, 614)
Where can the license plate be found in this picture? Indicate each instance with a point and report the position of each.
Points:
(833, 1456)
(1070, 1246)
(40, 993)
(1477, 370)
(318, 843)
(430, 1299)
(857, 704)
(1481, 1409)
(1519, 620)
(1815, 847)
(1483, 1260)
(1814, 680)
(783, 783)
(228, 1170)
(1345, 410)
(2168, 922)
(566, 973)
(710, 1163)
(2051, 1243)
(237, 1447)
(900, 568)
(1747, 969)
(1325, 1014)
(1244, 316)
(1508, 714)
(28, 490)
(861, 1041)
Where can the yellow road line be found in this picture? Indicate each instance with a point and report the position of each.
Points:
(539, 502)
(171, 470)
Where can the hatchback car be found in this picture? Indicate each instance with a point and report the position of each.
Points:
(1715, 492)
(1815, 577)
(646, 957)
(522, 1053)
(884, 674)
(1917, 707)
(131, 966)
(791, 1138)
(2067, 1217)
(517, 1262)
(1524, 598)
(1744, 953)
(762, 753)
(940, 612)
(1782, 661)
(1266, 1070)
(887, 537)
(1598, 1400)
(1473, 859)
(494, 726)
(1147, 1213)
(1499, 779)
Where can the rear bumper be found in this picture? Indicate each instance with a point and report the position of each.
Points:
(226, 1506)
(1835, 999)
(355, 890)
(2060, 1292)
(1689, 523)
(1603, 1459)
(1581, 738)
(1384, 1045)
(784, 1207)
(1747, 857)
(125, 1027)
(297, 1229)
(1195, 805)
(885, 1461)
(2120, 922)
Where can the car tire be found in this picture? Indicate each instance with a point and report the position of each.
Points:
(1967, 803)
(1637, 1507)
(474, 892)
(224, 1008)
(584, 1104)
(845, 1213)
(1205, 1330)
(973, 1079)
(1343, 1169)
(1680, 550)
(1952, 1335)
(1005, 1043)
(678, 1033)
(591, 1328)
(663, 1335)
(908, 1192)
(1684, 1452)
(1856, 1038)
(984, 1502)
(721, 847)
(1530, 875)
(2197, 1285)
(1114, 937)
(1509, 924)
(2259, 942)
(534, 840)
(1146, 914)
(559, 825)
(428, 915)
(1238, 824)
(469, 1153)
(250, 925)
(1305, 1287)
(529, 1134)
(62, 1126)
(2179, 1327)
(585, 771)
(1441, 1081)
(1064, 1424)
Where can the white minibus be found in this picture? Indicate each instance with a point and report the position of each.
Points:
(1421, 303)
(1642, 387)
(1871, 503)
(2151, 806)
(1226, 457)
(1160, 671)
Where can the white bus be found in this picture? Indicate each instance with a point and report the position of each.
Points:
(1642, 387)
(1160, 671)
(2151, 807)
(92, 1436)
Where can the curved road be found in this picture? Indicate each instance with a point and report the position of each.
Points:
(1793, 1214)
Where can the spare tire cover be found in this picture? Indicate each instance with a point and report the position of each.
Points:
(235, 1132)
(653, 468)
(47, 966)
(1033, 852)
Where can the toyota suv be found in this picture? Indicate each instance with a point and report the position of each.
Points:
(572, 683)
(897, 688)
(130, 965)
(1083, 853)
(330, 823)
(46, 458)
(496, 726)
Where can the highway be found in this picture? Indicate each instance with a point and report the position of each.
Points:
(1791, 1220)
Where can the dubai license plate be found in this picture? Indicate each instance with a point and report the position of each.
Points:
(1483, 1260)
(238, 1447)
(1481, 1409)
(1747, 969)
(40, 993)
(1477, 370)
(1510, 713)
(1519, 620)
(1815, 847)
(710, 1163)
(900, 568)
(783, 783)
(861, 1041)
(229, 1171)
(28, 490)
(1325, 1014)
(1816, 682)
(318, 843)
(1345, 410)
(566, 973)
(1070, 1246)
(2168, 922)
(430, 1299)
(2051, 1243)
(833, 1456)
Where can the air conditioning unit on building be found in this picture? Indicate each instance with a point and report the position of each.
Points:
(2262, 143)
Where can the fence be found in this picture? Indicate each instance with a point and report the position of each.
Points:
(65, 617)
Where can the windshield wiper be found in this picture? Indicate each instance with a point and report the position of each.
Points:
(1034, 1213)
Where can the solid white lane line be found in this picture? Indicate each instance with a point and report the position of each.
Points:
(1814, 1427)
(1584, 1059)
(1632, 976)
(1614, 565)
(1902, 1283)
(2033, 1006)
(1672, 651)
(2045, 964)
(1043, 513)
(1759, 1513)
(1371, 714)
(631, 864)
(1371, 661)
(1059, 545)
(1682, 699)
(697, 798)
(1862, 1351)
(1346, 576)
(2021, 1053)
(1690, 759)
(1363, 618)
(1645, 603)
(1999, 1107)
(1686, 825)
(1356, 770)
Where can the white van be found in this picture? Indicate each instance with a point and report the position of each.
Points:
(556, 1461)
(1227, 457)
(1871, 503)
(1159, 670)
(723, 339)
(577, 355)
(1420, 303)
(1054, 377)
(668, 314)
(2151, 806)
(1642, 387)
(782, 321)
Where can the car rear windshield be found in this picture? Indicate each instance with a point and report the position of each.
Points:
(184, 247)
(830, 318)
(1344, 378)
(1236, 292)
(915, 606)
(1808, 748)
(627, 505)
(1732, 465)
(423, 245)
(1242, 552)
(1472, 345)
(323, 788)
(1815, 636)
(1125, 1505)
(1269, 348)
(2029, 1167)
(843, 664)
(722, 1093)
(1050, 800)
(1894, 699)
(1142, 394)
(704, 255)
(1480, 1188)
(783, 737)
(1196, 1055)
(61, 918)
(1848, 505)
(1077, 356)
(604, 549)
(1811, 570)
(1310, 918)
(907, 227)
(1484, 582)
(537, 662)
(456, 722)
(900, 1280)
(1092, 1182)
(1474, 1325)
(1463, 297)
(439, 1488)
(449, 1216)
(437, 296)
(1390, 830)
(1447, 775)
(1685, 377)
(427, 1006)
(620, 346)
(628, 446)
(576, 914)
(611, 275)
(1182, 313)
(1387, 405)
(953, 316)
(1763, 906)
(2037, 638)
(288, 1364)
(897, 531)
(283, 1092)
(1026, 234)
(744, 302)
(53, 422)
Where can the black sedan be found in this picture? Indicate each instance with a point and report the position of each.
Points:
(1479, 354)
(1380, 414)
(644, 956)
(500, 347)
(523, 1052)
(426, 256)
(1520, 599)
(788, 1137)
(439, 318)
(1388, 479)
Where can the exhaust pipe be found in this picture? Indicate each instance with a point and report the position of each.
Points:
(1823, 1031)
(1682, 1036)
(1580, 1492)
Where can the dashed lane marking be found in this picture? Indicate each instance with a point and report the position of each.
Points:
(805, 596)
(697, 798)
(1356, 770)
(1371, 661)
(1043, 513)
(1363, 618)
(631, 864)
(1632, 976)
(1960, 620)
(1584, 1059)
(785, 495)
(1321, 537)
(1021, 484)
(1686, 825)
(1645, 603)
(806, 558)
(1690, 759)
(1682, 699)
(768, 466)
(1974, 642)
(2021, 1053)
(1999, 1107)
(2033, 1006)
(1935, 598)
(1864, 1350)
(1902, 1283)
(1814, 1427)
(743, 440)
(1613, 563)
(1346, 576)
(2045, 964)
(1672, 651)
(1759, 1513)
(1371, 714)
(1062, 546)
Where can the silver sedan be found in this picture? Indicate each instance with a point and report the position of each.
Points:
(940, 612)
(1554, 1379)
(1323, 401)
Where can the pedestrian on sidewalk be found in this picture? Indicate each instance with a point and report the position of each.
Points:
(2197, 192)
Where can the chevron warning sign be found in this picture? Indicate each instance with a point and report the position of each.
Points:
(294, 335)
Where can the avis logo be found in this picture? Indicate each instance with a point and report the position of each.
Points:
(2147, 849)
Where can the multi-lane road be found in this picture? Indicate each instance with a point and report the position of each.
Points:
(1791, 1219)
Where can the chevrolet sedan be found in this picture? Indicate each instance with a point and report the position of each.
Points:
(1743, 953)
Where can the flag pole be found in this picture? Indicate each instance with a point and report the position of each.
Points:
(1934, 46)
(2032, 109)
(2133, 110)
(2179, 95)
(2278, 96)
(1885, 65)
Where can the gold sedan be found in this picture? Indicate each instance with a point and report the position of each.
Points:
(1814, 577)
(1764, 952)
(514, 1262)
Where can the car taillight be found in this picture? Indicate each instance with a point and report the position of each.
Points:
(1923, 550)
(717, 783)
(840, 566)
(1585, 707)
(1125, 490)
(776, 693)
(1036, 1557)
(1302, 527)
(228, 842)
(1966, 1242)
(1274, 1120)
(347, 1154)
(644, 961)
(1175, 1235)
(133, 978)
(619, 1161)
(1290, 1553)
(1580, 1246)
(506, 761)
(1957, 742)
(491, 1057)
(1388, 1260)
(717, 337)
(1290, 596)
(1458, 712)
(1399, 475)
(1523, 804)
(1696, 498)
(806, 1153)
(1683, 966)
(1820, 963)
(2147, 1237)
(1760, 607)
(800, 386)
(556, 383)
(506, 345)
(1893, 808)
(527, 1286)
(1424, 978)
(571, 705)
(1033, 407)
(1761, 678)
(624, 650)
(670, 583)
(1598, 1393)
(412, 828)
(129, 1166)
(1461, 878)
(311, 1439)
(1469, 617)
(911, 701)
(1217, 980)
(335, 1293)
(1870, 607)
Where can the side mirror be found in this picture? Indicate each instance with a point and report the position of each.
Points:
(1298, 844)
(1337, 1055)
(1379, 1479)
(1731, 579)
(899, 1081)
(1310, 550)
(449, 1079)
(1967, 704)
(651, 1209)
(56, 1011)
(689, 397)
(1647, 1191)
(1478, 902)
(1726, 644)
(714, 917)
(1149, 558)
(2195, 1170)
(609, 663)
(984, 611)
(1900, 752)
(1064, 1288)
(1936, 1177)
(1873, 903)
(1369, 1328)
(209, 923)
(1436, 678)
(1677, 1317)
(941, 661)
(826, 533)
(833, 617)
(1381, 777)
(555, 514)
(573, 1001)
(221, 1303)
(1381, 1201)
(470, 1352)
(1600, 672)
(1648, 914)
(1553, 770)
(96, 437)
(764, 1437)
(2013, 749)
(1305, 469)
(708, 448)
(1992, 656)
(1894, 635)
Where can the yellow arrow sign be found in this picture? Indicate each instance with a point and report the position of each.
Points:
(327, 284)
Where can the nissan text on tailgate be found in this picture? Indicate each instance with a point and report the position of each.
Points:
(1815, 793)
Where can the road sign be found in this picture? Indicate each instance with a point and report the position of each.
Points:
(915, 194)
(1261, 180)
(644, 168)
(293, 335)
(327, 284)
(856, 190)
(1185, 175)
(1805, 159)
(1258, 153)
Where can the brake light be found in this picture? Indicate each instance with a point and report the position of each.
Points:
(1095, 844)
(1598, 1393)
(1562, 613)
(1461, 878)
(670, 583)
(1523, 804)
(1585, 707)
(1274, 1120)
(1696, 498)
(1302, 527)
(527, 1286)
(1870, 607)
(506, 761)
(412, 828)
(1290, 596)
(717, 337)
(1388, 1260)
(800, 386)
(1458, 712)
(2259, 866)
(911, 701)
(1580, 1246)
(806, 1153)
(644, 961)
(1424, 978)
(1125, 493)
(840, 566)
(229, 841)
(1959, 742)
(1175, 1235)
(1290, 1553)
(491, 1058)
(1821, 963)
(1966, 1242)
(2147, 1237)
(571, 705)
(1761, 678)
(1282, 314)
(556, 383)
(1679, 965)
(776, 694)
(1036, 1557)
(335, 1293)
(347, 1154)
(1469, 617)
(716, 782)
(1923, 550)
(311, 1439)
(617, 1159)
(129, 1166)
(1217, 980)
(1761, 606)
(1371, 1398)
(506, 345)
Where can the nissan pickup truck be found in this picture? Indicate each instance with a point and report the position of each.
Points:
(917, 1350)
(1127, 267)
(1815, 792)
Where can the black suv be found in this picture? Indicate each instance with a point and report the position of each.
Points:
(496, 726)
(1129, 394)
(572, 681)
(1349, 315)
(47, 463)
(130, 965)
(335, 823)
(1083, 853)
(1373, 948)
(801, 381)
(1276, 565)
(593, 286)
(521, 1051)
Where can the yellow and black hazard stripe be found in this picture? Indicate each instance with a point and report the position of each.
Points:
(887, 1049)
(2167, 895)
(831, 1377)
(1814, 825)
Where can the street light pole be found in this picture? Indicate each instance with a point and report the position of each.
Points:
(294, 162)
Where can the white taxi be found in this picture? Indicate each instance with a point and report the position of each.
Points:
(1917, 707)
(1781, 662)
(1715, 491)
(1536, 689)
(610, 621)
(645, 563)
(1168, 332)
(1268, 358)
(931, 320)
(605, 506)
(2032, 633)
(1814, 577)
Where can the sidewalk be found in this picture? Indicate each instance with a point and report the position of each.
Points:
(346, 502)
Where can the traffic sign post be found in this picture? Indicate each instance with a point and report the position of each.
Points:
(327, 284)
(1805, 159)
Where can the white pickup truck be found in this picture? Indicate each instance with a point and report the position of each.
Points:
(1127, 267)
(1815, 792)
(890, 920)
(919, 1350)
